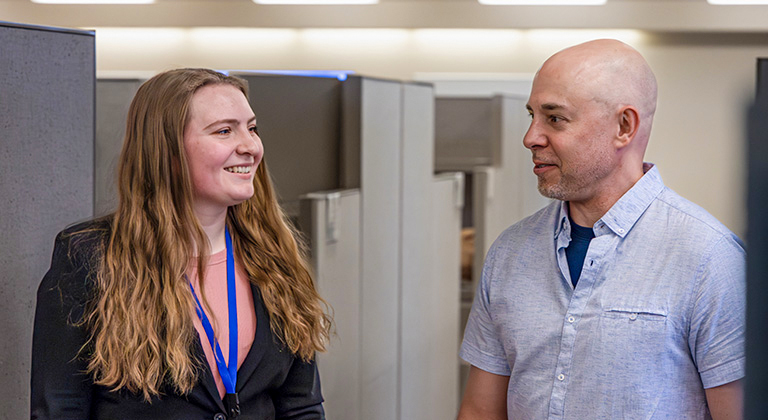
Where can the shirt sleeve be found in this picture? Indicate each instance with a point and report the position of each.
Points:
(60, 388)
(482, 346)
(717, 325)
(299, 397)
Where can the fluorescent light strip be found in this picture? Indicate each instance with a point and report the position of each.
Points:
(94, 1)
(315, 2)
(738, 2)
(543, 2)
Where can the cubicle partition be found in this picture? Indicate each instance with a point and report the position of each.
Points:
(299, 124)
(331, 221)
(429, 253)
(483, 138)
(756, 405)
(46, 176)
(113, 96)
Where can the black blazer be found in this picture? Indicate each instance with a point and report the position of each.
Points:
(271, 382)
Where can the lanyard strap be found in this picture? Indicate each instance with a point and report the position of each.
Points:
(228, 372)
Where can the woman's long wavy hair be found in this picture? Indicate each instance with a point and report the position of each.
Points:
(140, 316)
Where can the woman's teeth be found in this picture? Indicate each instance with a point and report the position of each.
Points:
(239, 169)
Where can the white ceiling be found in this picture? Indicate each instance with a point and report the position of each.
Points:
(649, 15)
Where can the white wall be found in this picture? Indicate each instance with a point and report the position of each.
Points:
(705, 79)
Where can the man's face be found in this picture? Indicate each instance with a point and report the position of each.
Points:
(570, 136)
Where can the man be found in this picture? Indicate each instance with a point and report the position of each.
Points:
(620, 300)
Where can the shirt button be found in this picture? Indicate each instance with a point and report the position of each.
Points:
(561, 377)
(621, 230)
(571, 319)
(219, 416)
(633, 316)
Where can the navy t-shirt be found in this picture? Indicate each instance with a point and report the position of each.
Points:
(577, 250)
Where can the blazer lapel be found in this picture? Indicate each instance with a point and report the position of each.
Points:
(206, 380)
(263, 334)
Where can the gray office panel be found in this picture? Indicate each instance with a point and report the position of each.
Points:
(350, 148)
(756, 405)
(505, 193)
(113, 96)
(427, 386)
(46, 176)
(445, 312)
(463, 133)
(298, 120)
(378, 140)
(332, 222)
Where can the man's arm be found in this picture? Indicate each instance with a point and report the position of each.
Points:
(485, 397)
(726, 402)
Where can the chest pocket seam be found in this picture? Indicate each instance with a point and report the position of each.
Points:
(632, 314)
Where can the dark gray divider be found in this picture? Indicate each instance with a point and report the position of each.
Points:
(757, 255)
(298, 120)
(113, 96)
(46, 176)
(463, 134)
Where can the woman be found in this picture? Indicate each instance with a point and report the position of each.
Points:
(193, 300)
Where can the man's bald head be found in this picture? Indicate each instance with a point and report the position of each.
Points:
(591, 110)
(609, 72)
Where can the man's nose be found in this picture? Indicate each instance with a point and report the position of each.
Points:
(534, 137)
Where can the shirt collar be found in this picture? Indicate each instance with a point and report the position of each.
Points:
(624, 213)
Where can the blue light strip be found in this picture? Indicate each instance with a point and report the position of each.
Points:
(330, 74)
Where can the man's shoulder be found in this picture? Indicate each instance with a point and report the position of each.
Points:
(695, 218)
(544, 221)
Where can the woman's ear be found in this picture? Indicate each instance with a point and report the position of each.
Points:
(629, 122)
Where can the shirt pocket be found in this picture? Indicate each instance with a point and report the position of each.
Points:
(629, 349)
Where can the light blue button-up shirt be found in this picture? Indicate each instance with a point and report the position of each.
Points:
(656, 317)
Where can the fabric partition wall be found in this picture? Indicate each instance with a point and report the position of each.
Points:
(113, 96)
(46, 176)
(298, 120)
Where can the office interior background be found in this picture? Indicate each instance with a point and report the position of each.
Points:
(704, 57)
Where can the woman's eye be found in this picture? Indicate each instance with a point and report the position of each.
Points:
(224, 131)
(254, 130)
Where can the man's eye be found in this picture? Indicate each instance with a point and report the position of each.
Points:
(554, 118)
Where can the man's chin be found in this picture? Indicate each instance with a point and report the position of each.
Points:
(551, 191)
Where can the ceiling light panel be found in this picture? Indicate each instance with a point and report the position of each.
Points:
(315, 2)
(543, 2)
(93, 1)
(738, 2)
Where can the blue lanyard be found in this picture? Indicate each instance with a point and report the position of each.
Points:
(228, 373)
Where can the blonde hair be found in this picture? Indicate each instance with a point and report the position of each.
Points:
(139, 319)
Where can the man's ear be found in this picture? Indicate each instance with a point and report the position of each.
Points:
(629, 122)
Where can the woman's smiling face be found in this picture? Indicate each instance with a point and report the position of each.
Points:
(222, 147)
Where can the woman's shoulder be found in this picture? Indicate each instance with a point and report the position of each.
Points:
(78, 246)
(84, 236)
(68, 281)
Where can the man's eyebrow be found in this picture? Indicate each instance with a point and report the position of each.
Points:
(552, 106)
(230, 121)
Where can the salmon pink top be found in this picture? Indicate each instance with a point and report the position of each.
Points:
(215, 291)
